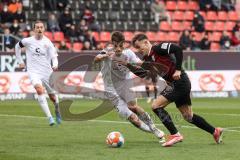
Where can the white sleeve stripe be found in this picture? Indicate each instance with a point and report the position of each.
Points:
(169, 47)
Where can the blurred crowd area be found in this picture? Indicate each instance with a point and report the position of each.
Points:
(75, 25)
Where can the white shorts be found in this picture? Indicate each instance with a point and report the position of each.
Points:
(123, 90)
(44, 81)
(119, 104)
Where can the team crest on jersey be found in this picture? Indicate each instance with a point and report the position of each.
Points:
(38, 52)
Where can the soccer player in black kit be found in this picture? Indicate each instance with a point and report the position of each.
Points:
(165, 60)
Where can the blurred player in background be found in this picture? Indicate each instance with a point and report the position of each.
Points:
(40, 53)
(118, 85)
(165, 60)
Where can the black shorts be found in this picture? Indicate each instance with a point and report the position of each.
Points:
(179, 92)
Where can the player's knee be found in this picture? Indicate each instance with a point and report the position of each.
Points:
(52, 98)
(133, 108)
(39, 90)
(134, 120)
(156, 105)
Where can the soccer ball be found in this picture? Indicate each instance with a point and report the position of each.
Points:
(115, 139)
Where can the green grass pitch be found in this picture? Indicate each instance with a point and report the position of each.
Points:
(25, 134)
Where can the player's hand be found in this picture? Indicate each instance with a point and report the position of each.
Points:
(177, 75)
(21, 66)
(55, 68)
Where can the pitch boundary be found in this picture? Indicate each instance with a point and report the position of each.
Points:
(229, 129)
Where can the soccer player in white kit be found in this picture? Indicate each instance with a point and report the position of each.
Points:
(40, 53)
(117, 85)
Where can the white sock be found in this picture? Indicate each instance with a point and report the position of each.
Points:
(145, 127)
(44, 105)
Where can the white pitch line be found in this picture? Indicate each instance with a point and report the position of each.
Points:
(233, 127)
(220, 114)
(230, 129)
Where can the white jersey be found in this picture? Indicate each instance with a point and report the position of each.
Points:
(114, 73)
(39, 54)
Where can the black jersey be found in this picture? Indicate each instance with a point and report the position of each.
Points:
(166, 58)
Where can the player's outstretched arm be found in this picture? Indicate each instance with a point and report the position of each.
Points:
(138, 70)
(18, 55)
(55, 63)
(103, 55)
(100, 57)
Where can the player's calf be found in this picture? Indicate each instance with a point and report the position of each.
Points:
(138, 123)
(55, 100)
(145, 117)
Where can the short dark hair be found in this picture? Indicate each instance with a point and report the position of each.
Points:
(138, 37)
(38, 21)
(117, 37)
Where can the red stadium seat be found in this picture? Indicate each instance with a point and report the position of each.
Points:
(68, 44)
(164, 26)
(193, 5)
(187, 25)
(177, 26)
(189, 15)
(229, 25)
(151, 36)
(212, 16)
(173, 36)
(171, 5)
(103, 44)
(203, 14)
(161, 36)
(229, 34)
(178, 15)
(215, 36)
(219, 26)
(232, 16)
(209, 26)
(171, 14)
(138, 32)
(49, 35)
(182, 5)
(105, 36)
(222, 16)
(198, 36)
(128, 36)
(56, 45)
(96, 36)
(25, 34)
(58, 36)
(77, 46)
(215, 46)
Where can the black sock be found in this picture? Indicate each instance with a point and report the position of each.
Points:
(147, 91)
(166, 120)
(155, 92)
(202, 123)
